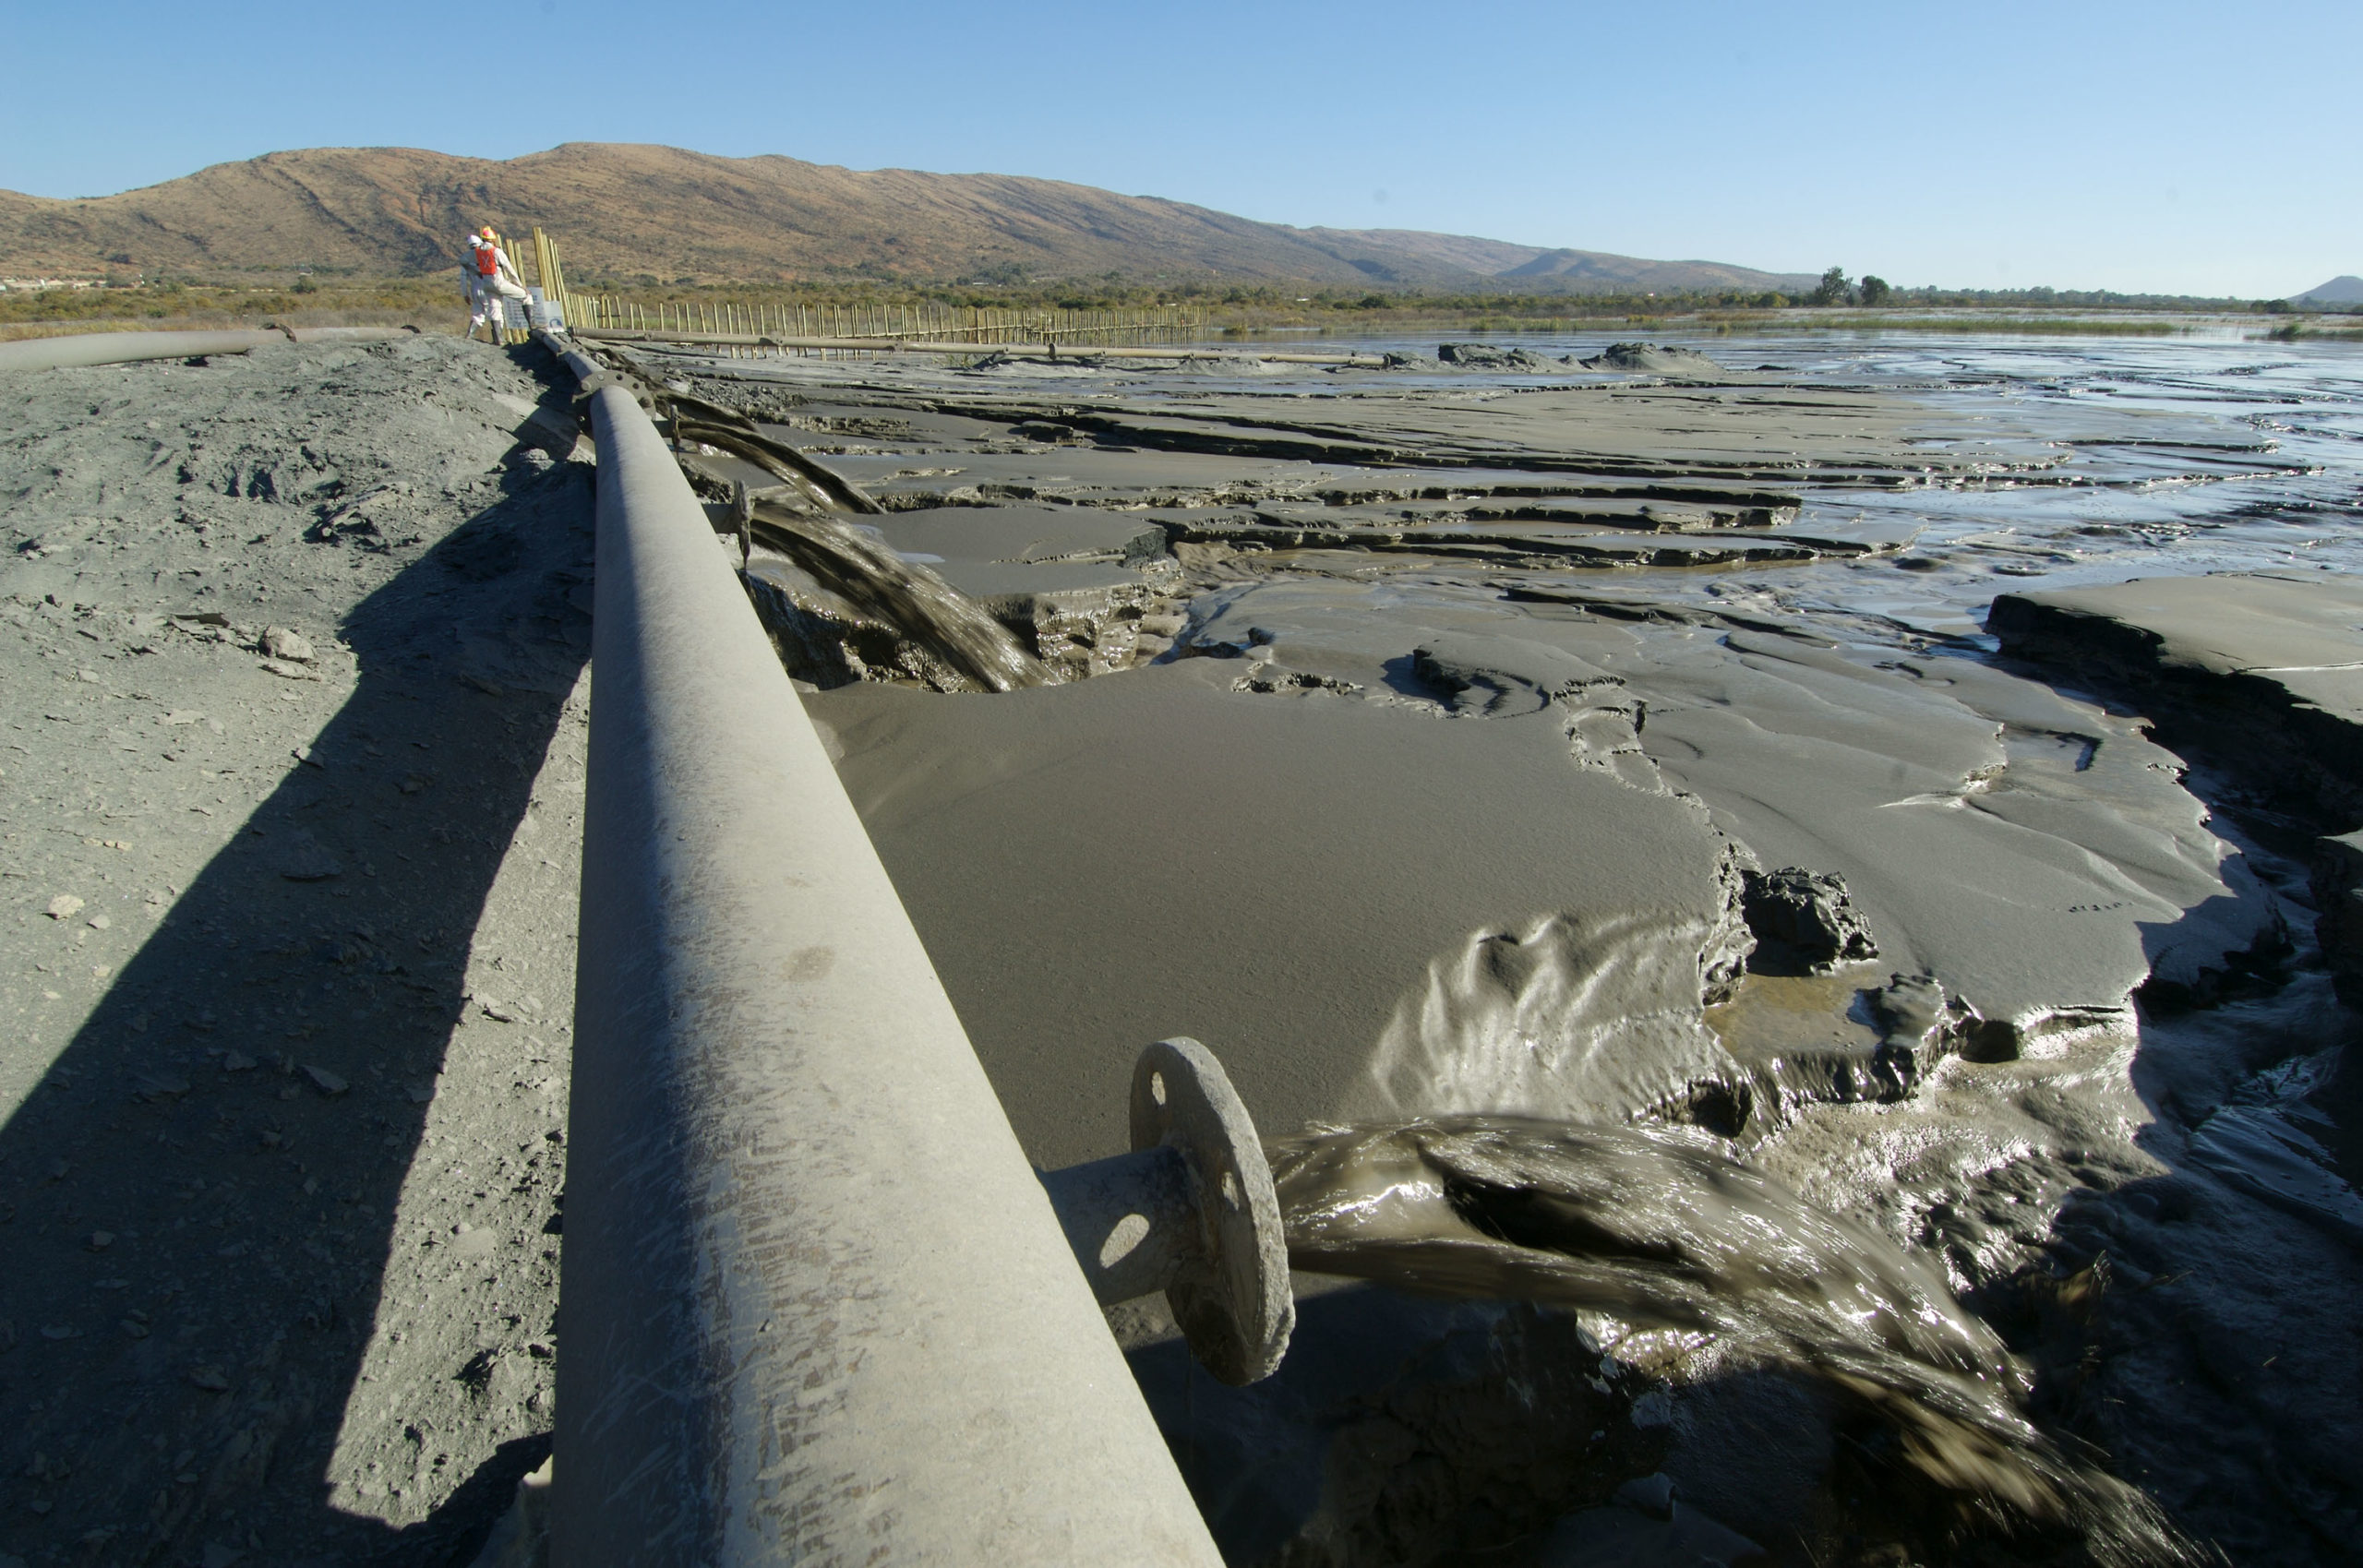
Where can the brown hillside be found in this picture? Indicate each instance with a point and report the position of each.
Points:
(628, 212)
(1591, 268)
(1461, 253)
(625, 210)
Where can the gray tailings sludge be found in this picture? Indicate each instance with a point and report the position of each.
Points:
(1413, 810)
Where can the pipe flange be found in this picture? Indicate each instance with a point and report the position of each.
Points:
(1234, 1303)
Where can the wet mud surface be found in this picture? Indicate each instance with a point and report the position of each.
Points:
(1631, 749)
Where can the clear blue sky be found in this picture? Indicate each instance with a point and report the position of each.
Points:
(2164, 146)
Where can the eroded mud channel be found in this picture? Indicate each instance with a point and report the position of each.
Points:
(1759, 1066)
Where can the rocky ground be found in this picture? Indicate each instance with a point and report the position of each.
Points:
(291, 704)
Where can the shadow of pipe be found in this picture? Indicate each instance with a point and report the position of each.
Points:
(182, 1387)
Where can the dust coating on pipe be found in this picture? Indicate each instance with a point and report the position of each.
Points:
(123, 348)
(815, 1306)
(119, 348)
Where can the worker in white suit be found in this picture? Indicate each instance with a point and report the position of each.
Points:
(491, 277)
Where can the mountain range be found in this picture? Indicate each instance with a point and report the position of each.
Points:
(632, 213)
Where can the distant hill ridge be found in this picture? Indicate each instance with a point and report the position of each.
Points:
(626, 210)
(2344, 289)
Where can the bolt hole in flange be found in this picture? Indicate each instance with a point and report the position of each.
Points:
(1129, 1232)
(1191, 1211)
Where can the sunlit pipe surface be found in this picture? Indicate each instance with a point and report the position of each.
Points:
(122, 348)
(816, 1307)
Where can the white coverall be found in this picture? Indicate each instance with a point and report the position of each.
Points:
(487, 289)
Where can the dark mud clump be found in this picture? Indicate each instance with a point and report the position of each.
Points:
(1805, 923)
(1489, 357)
(1649, 359)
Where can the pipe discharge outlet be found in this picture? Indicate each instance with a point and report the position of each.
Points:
(1191, 1211)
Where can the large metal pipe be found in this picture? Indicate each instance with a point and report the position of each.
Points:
(122, 348)
(119, 348)
(816, 1305)
(588, 373)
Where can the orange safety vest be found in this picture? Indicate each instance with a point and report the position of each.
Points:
(488, 259)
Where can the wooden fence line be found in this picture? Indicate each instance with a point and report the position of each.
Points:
(982, 325)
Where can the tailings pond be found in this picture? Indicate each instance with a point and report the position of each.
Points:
(1754, 1072)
